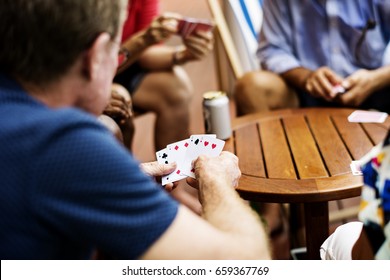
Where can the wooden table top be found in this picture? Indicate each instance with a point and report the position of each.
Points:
(301, 155)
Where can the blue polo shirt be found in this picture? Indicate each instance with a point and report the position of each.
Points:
(67, 186)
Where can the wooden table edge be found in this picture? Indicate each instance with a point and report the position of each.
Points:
(300, 191)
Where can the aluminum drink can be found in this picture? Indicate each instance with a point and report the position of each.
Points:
(216, 114)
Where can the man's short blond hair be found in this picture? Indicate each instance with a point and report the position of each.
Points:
(41, 39)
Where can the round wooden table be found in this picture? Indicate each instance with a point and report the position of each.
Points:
(302, 156)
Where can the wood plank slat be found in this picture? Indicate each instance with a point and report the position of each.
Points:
(333, 150)
(248, 150)
(229, 145)
(305, 153)
(375, 132)
(349, 133)
(277, 155)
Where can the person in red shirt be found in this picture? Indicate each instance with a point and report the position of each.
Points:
(157, 83)
(152, 72)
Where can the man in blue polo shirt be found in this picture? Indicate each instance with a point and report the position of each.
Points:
(67, 186)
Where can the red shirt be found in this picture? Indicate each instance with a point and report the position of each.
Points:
(140, 15)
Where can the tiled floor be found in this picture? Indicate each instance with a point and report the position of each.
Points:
(204, 79)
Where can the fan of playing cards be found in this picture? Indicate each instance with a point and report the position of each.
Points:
(185, 151)
(187, 26)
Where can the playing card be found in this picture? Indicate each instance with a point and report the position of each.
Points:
(162, 156)
(355, 167)
(204, 26)
(367, 117)
(176, 152)
(183, 25)
(180, 26)
(187, 26)
(338, 89)
(191, 26)
(200, 145)
(193, 136)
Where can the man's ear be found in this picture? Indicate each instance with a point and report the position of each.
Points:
(95, 55)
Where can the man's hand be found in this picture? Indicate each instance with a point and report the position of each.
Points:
(162, 28)
(155, 169)
(198, 45)
(320, 83)
(359, 86)
(224, 168)
(120, 106)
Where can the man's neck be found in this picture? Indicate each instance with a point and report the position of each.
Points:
(54, 95)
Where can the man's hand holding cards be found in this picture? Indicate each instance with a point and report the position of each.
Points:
(185, 151)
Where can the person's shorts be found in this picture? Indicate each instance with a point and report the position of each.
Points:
(131, 77)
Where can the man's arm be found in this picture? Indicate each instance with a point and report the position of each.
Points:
(194, 47)
(230, 229)
(275, 50)
(297, 77)
(159, 30)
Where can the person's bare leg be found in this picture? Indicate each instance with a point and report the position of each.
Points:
(167, 94)
(262, 91)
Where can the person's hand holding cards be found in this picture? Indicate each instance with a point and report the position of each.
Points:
(197, 37)
(324, 83)
(359, 86)
(162, 28)
(223, 167)
(157, 170)
(184, 152)
(189, 26)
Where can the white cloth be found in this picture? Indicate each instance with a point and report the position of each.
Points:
(339, 245)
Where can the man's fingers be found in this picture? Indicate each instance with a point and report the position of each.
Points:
(166, 169)
(156, 169)
(192, 182)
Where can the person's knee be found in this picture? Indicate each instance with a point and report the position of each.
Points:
(263, 91)
(253, 90)
(112, 126)
(249, 82)
(121, 90)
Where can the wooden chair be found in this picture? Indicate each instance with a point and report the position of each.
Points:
(224, 48)
(237, 26)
